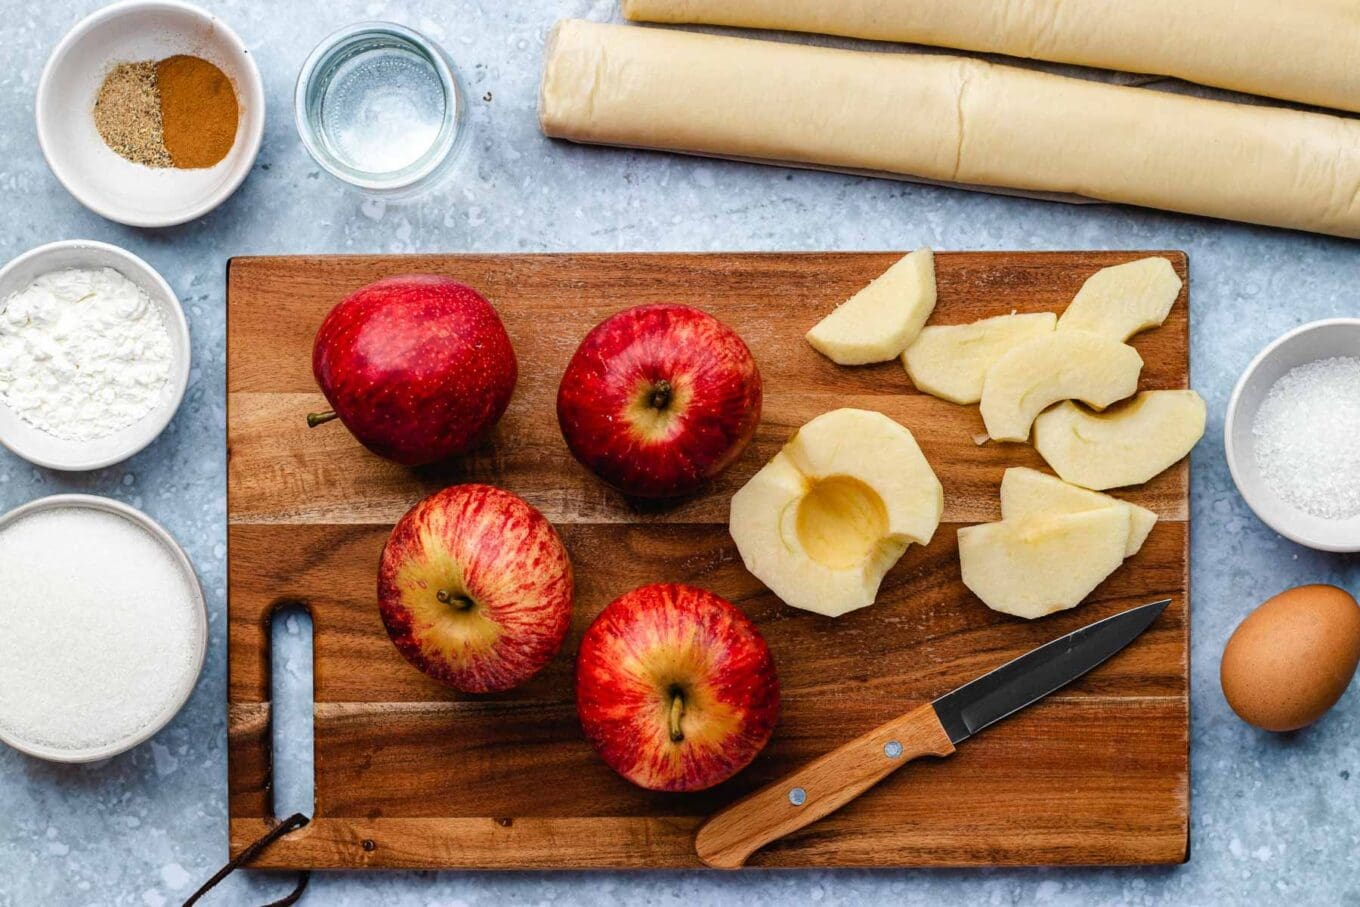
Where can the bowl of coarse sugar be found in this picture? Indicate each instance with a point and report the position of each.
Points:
(1292, 435)
(150, 112)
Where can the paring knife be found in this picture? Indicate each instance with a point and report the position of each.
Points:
(820, 788)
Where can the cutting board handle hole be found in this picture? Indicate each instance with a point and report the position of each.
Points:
(292, 710)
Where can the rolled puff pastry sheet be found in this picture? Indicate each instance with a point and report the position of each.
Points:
(1299, 50)
(950, 119)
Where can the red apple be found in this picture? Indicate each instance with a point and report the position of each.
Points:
(416, 367)
(475, 588)
(659, 399)
(676, 688)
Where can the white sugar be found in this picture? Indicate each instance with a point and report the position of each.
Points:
(1308, 438)
(99, 633)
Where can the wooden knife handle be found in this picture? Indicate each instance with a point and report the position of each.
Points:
(819, 788)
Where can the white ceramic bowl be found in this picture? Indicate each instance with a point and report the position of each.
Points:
(99, 178)
(37, 446)
(1318, 340)
(94, 754)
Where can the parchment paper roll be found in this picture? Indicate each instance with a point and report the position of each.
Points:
(949, 119)
(1299, 50)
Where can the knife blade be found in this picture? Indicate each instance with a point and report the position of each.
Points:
(823, 786)
(1029, 678)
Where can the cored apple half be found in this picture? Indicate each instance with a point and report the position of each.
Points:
(825, 519)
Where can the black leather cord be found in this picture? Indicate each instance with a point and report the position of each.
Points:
(292, 823)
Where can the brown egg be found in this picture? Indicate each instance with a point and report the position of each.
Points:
(1292, 658)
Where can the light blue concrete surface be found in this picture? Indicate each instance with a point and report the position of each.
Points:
(1276, 819)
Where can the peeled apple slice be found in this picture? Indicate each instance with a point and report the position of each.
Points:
(1127, 445)
(881, 320)
(1036, 565)
(1028, 492)
(1119, 302)
(830, 514)
(1066, 365)
(949, 361)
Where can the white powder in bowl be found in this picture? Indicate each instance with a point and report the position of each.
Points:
(84, 352)
(1307, 435)
(99, 629)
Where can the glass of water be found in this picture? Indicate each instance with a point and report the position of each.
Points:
(380, 106)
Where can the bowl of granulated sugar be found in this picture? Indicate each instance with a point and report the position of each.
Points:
(103, 628)
(1292, 435)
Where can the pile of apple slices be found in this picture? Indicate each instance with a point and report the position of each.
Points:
(1057, 542)
(1025, 371)
(1058, 538)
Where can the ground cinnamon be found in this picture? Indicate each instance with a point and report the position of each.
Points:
(198, 111)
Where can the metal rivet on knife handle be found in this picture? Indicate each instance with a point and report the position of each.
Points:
(797, 796)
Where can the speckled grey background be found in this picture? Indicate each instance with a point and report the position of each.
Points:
(1275, 818)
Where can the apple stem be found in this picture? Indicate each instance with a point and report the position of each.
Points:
(461, 602)
(661, 394)
(677, 712)
(315, 419)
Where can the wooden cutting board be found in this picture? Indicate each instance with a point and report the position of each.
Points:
(412, 775)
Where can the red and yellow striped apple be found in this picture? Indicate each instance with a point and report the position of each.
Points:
(659, 399)
(475, 588)
(676, 688)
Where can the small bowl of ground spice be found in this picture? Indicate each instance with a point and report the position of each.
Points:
(150, 112)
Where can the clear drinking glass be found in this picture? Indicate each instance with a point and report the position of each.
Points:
(381, 107)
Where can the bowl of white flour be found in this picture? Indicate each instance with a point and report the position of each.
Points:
(99, 649)
(94, 355)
